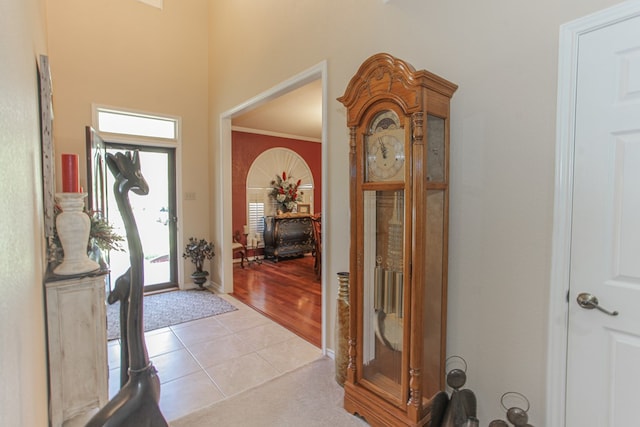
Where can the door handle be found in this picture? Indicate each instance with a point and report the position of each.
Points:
(590, 302)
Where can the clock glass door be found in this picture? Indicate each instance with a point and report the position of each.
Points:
(384, 290)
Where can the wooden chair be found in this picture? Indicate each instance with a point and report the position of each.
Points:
(237, 246)
(316, 221)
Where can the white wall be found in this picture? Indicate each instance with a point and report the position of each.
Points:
(503, 56)
(23, 388)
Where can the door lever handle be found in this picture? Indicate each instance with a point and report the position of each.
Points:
(590, 302)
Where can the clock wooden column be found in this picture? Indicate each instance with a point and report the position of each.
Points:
(399, 170)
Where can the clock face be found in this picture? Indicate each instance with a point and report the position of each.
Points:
(385, 148)
(385, 157)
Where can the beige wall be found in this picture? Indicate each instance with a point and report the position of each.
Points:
(23, 389)
(126, 54)
(503, 56)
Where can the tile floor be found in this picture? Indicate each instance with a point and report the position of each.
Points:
(207, 360)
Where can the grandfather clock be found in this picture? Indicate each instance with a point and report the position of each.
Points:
(399, 167)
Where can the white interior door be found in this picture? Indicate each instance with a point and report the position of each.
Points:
(603, 365)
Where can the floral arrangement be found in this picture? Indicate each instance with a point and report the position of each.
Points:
(198, 250)
(284, 189)
(104, 235)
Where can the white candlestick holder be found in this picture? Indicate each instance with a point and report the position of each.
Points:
(73, 227)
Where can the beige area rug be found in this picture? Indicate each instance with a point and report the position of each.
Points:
(308, 396)
(170, 308)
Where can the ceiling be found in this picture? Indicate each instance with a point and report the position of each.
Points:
(297, 113)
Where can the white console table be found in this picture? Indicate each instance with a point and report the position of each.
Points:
(77, 341)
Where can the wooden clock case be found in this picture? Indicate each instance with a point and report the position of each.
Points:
(393, 380)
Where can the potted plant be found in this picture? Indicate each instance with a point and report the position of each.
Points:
(103, 235)
(198, 250)
(102, 239)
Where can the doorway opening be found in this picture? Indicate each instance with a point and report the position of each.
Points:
(316, 73)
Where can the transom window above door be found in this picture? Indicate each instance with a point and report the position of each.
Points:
(119, 121)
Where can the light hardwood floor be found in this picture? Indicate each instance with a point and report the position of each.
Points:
(286, 291)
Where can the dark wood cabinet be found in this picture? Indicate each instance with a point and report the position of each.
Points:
(288, 235)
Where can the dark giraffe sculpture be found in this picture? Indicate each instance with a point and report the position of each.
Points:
(120, 292)
(136, 404)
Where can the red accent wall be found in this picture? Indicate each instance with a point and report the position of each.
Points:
(245, 147)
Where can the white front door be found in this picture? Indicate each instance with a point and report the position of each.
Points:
(603, 364)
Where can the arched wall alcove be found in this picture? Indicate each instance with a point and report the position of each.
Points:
(275, 161)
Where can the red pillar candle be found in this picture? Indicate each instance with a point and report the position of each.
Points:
(70, 179)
